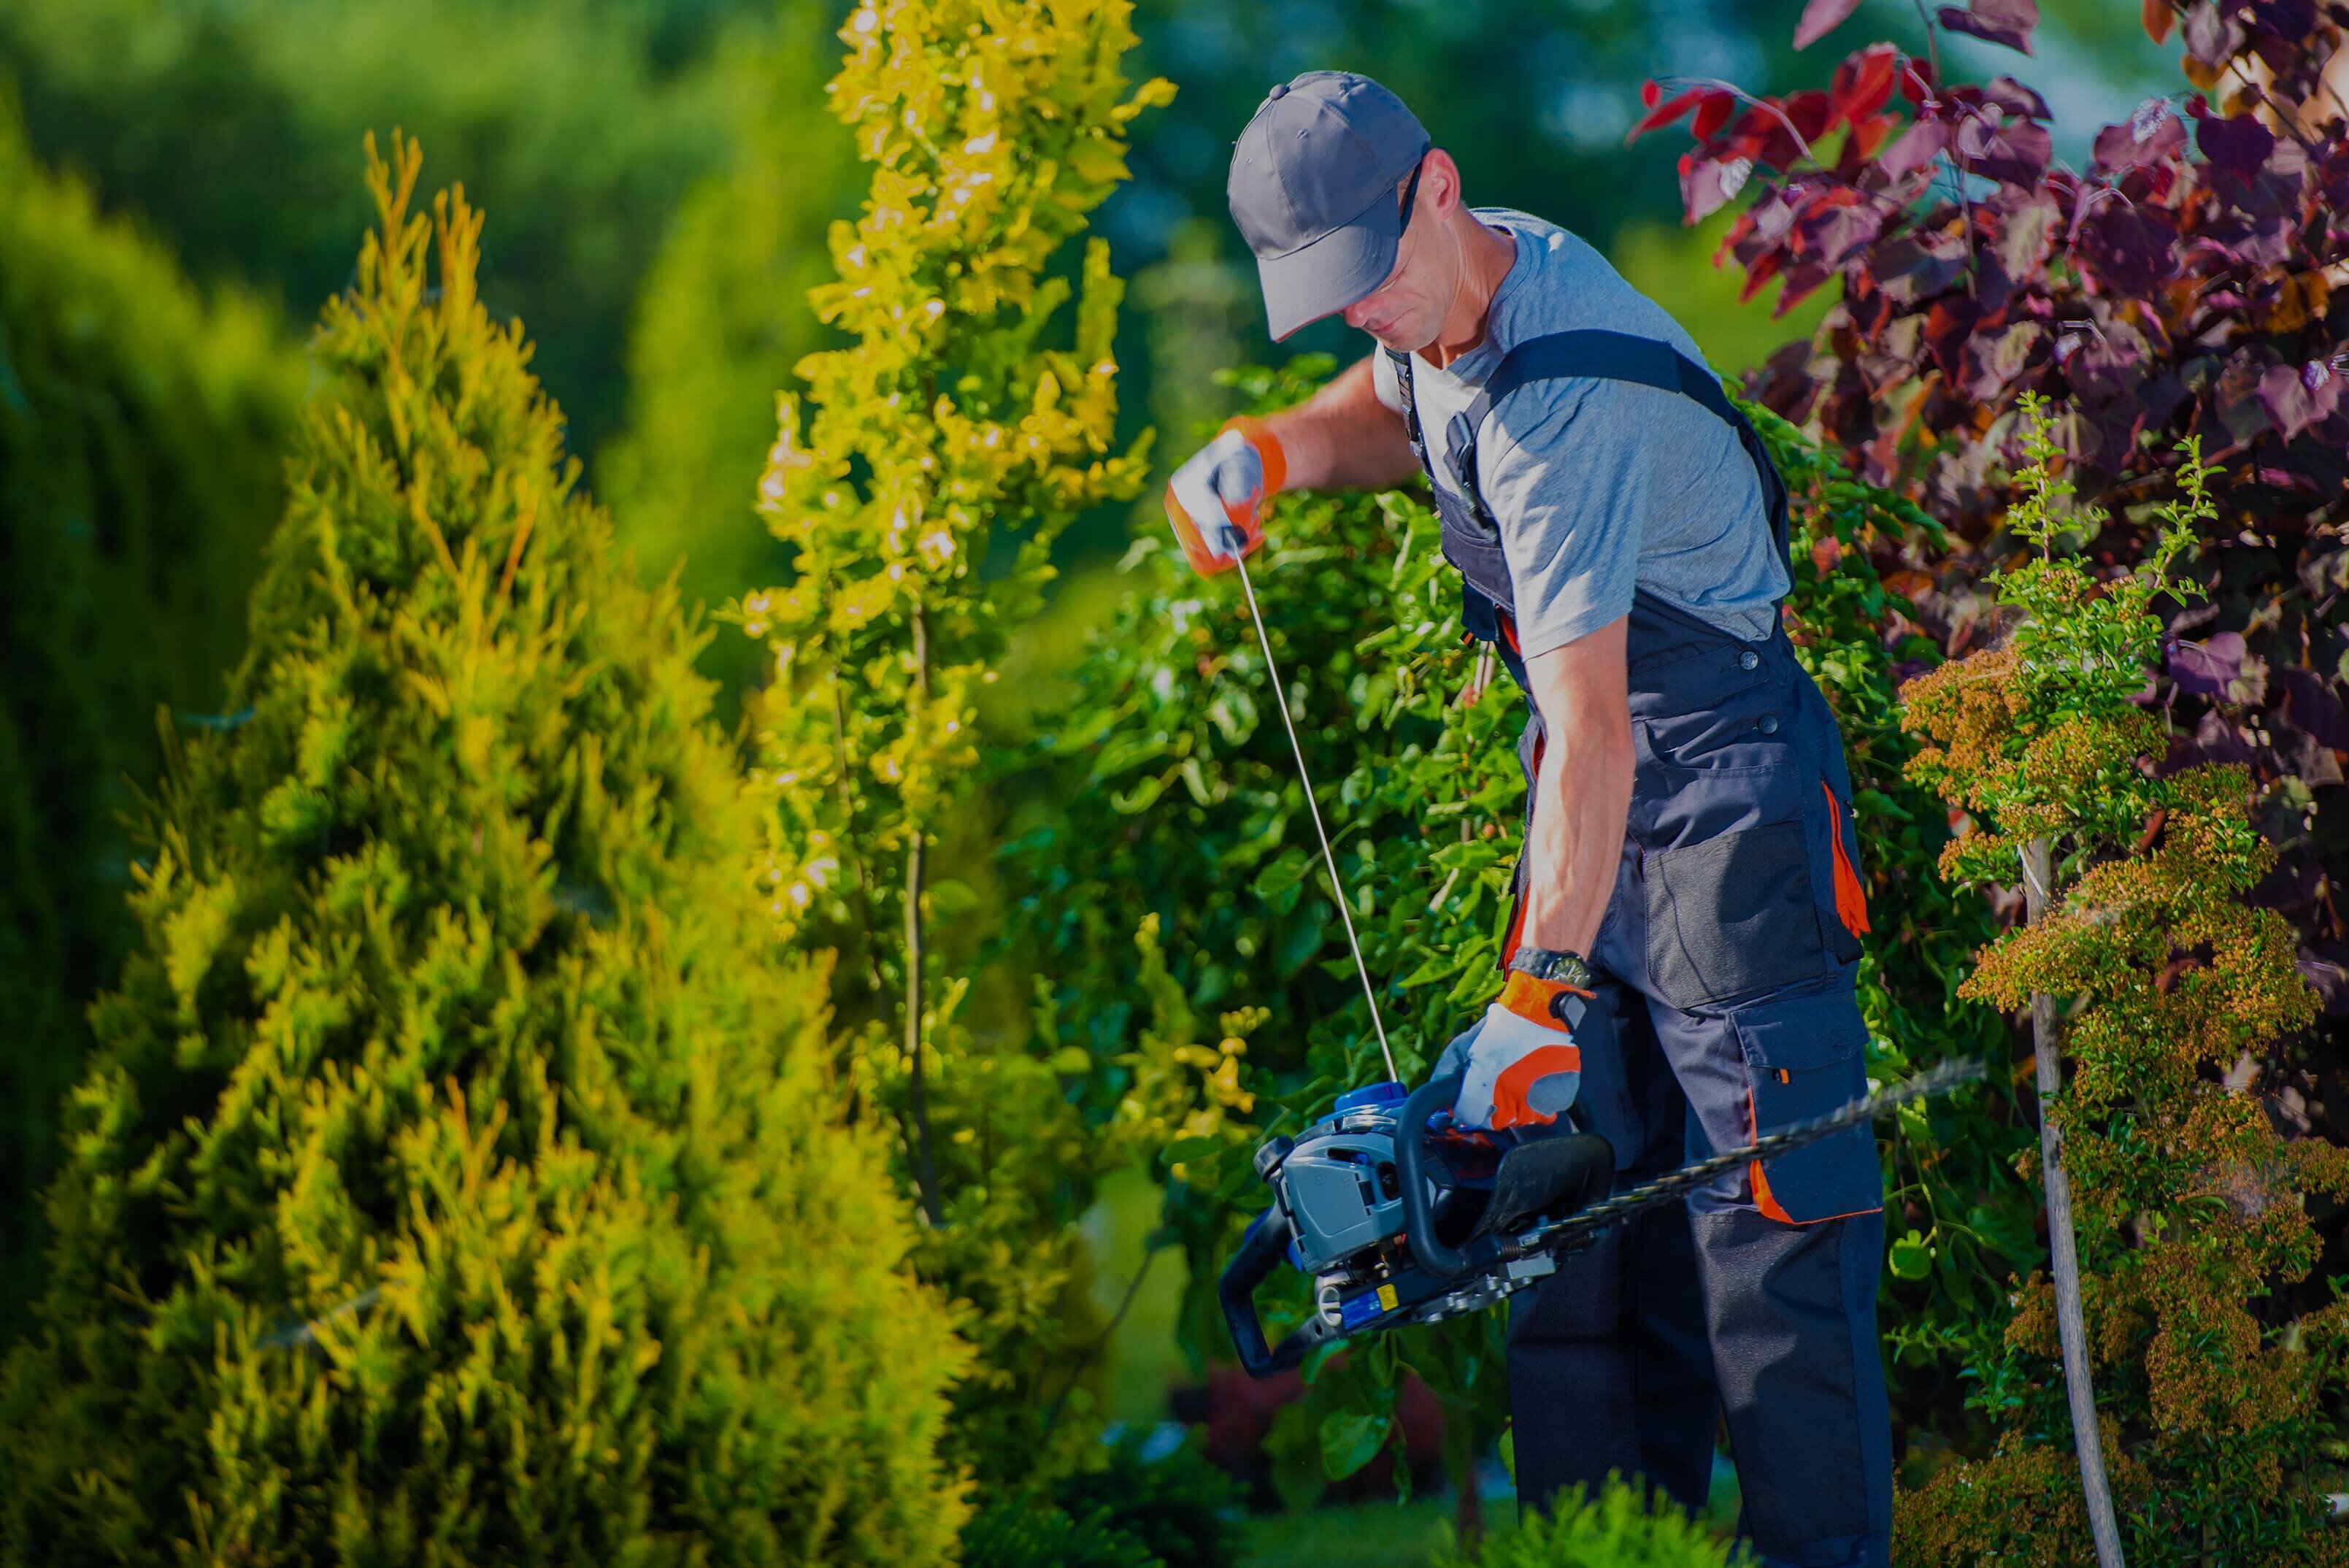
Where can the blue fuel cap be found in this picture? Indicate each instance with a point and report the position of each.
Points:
(1384, 1094)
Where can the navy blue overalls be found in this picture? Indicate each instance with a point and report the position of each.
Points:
(1726, 962)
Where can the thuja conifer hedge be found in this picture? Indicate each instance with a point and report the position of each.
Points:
(458, 1178)
(141, 427)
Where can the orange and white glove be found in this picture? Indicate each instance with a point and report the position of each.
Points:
(1216, 501)
(1520, 1063)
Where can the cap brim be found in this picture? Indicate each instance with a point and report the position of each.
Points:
(1335, 271)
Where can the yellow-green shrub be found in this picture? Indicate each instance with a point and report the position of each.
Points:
(459, 1178)
(919, 485)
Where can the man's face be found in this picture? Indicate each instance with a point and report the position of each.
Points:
(1406, 312)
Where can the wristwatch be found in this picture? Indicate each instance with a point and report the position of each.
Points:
(1558, 969)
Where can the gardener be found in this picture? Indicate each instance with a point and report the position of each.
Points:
(1681, 961)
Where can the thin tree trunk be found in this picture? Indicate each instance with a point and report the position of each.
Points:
(925, 1173)
(2071, 1321)
(848, 834)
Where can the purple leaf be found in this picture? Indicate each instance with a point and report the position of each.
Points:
(2018, 154)
(2153, 135)
(2128, 248)
(2239, 146)
(2295, 399)
(1992, 360)
(1708, 183)
(1832, 235)
(2027, 232)
(2212, 35)
(2007, 22)
(1908, 273)
(1820, 17)
(1918, 147)
(2206, 668)
(2311, 706)
(2016, 98)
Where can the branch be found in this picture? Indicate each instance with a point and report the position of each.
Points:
(2071, 1321)
(1153, 1244)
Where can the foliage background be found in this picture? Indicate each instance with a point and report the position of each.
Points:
(142, 424)
(660, 174)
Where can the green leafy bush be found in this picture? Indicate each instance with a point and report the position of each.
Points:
(1622, 1527)
(919, 485)
(1180, 1506)
(458, 1178)
(142, 426)
(1024, 1532)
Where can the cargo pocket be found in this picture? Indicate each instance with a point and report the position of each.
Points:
(1805, 1057)
(1731, 915)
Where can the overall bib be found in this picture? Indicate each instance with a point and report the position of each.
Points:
(1726, 964)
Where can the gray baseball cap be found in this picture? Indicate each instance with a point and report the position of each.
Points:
(1313, 188)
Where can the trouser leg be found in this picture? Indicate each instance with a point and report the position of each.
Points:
(1609, 1363)
(1792, 1312)
(1790, 1296)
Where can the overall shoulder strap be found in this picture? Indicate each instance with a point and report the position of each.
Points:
(1401, 363)
(1624, 356)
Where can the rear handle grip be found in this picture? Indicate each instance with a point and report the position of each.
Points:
(1263, 1250)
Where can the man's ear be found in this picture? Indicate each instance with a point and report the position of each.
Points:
(1439, 181)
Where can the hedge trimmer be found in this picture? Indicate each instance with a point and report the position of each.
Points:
(1399, 1222)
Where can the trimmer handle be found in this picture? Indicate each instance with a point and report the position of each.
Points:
(1418, 1203)
(1264, 1248)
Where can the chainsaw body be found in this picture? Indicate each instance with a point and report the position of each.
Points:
(1398, 1223)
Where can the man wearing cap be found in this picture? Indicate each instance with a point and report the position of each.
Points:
(1680, 967)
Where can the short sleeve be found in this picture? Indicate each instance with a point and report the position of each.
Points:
(1564, 466)
(1383, 382)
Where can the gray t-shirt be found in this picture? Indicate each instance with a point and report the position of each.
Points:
(1600, 487)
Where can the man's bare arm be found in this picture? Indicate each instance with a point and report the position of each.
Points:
(1345, 438)
(1582, 795)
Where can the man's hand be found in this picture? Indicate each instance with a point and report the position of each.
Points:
(1521, 1065)
(1216, 501)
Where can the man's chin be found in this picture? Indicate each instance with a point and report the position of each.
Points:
(1400, 344)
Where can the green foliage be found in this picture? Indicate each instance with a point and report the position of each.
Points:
(458, 1178)
(1022, 1532)
(1174, 798)
(2188, 1206)
(140, 426)
(919, 486)
(229, 125)
(1126, 1511)
(722, 319)
(1181, 1506)
(1622, 1527)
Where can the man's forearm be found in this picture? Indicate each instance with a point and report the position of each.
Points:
(1345, 438)
(1583, 798)
(1582, 795)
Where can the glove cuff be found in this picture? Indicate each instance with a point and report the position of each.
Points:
(1258, 434)
(1541, 1002)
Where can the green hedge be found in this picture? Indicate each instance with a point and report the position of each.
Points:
(141, 432)
(460, 1179)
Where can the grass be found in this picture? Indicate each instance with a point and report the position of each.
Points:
(1361, 1534)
